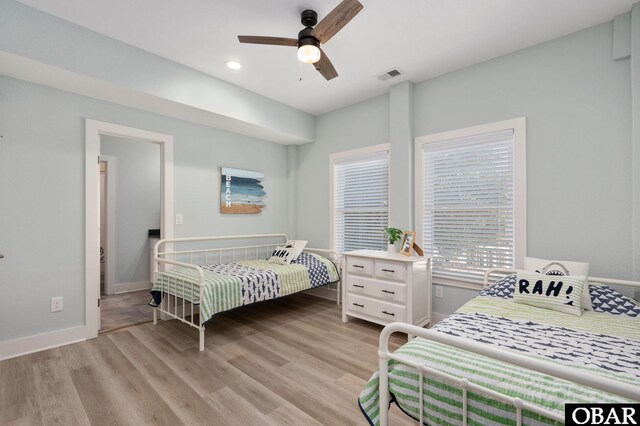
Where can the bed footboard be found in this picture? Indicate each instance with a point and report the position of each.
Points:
(178, 297)
(624, 390)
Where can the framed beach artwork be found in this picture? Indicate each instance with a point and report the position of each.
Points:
(241, 191)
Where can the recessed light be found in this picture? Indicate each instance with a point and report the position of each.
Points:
(233, 65)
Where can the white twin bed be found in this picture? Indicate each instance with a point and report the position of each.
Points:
(496, 362)
(196, 278)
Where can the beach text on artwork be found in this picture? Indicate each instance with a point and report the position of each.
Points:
(227, 192)
(241, 191)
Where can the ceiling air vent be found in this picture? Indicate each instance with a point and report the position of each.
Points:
(392, 73)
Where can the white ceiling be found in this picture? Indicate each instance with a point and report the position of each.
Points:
(423, 38)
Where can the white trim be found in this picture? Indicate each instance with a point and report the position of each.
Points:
(354, 153)
(520, 179)
(120, 288)
(456, 283)
(93, 130)
(40, 342)
(110, 243)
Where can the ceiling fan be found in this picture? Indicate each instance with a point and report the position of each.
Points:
(309, 39)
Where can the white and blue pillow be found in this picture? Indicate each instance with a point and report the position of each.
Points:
(557, 293)
(502, 288)
(606, 299)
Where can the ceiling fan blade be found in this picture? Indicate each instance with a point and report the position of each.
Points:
(336, 20)
(325, 67)
(277, 41)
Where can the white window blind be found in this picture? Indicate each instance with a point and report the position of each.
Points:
(361, 201)
(468, 204)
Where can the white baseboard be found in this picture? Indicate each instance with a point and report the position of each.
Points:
(41, 342)
(129, 287)
(437, 317)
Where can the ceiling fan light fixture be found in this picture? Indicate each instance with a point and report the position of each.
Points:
(309, 50)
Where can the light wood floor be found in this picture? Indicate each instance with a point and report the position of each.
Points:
(284, 362)
(121, 310)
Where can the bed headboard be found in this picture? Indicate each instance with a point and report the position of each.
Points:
(218, 248)
(228, 248)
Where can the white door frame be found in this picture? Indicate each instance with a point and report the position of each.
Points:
(93, 130)
(110, 237)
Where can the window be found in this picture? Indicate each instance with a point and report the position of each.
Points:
(471, 200)
(359, 197)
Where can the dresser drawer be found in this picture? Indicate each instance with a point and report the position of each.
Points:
(390, 270)
(359, 266)
(380, 289)
(376, 308)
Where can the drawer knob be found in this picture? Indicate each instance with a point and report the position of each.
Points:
(388, 270)
(358, 266)
(357, 285)
(389, 313)
(388, 292)
(358, 305)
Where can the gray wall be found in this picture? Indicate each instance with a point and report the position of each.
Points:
(577, 102)
(42, 195)
(137, 205)
(356, 126)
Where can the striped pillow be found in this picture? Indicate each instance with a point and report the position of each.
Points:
(558, 293)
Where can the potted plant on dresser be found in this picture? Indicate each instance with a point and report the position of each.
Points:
(393, 236)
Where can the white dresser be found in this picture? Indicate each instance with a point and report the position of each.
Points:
(384, 288)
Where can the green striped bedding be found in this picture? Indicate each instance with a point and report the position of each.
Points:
(596, 343)
(231, 285)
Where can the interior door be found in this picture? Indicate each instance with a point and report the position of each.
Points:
(100, 233)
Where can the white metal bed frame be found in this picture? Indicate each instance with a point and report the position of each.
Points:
(166, 259)
(546, 367)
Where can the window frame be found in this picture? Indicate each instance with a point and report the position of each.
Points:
(518, 125)
(346, 155)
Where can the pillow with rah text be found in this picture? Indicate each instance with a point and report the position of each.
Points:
(281, 256)
(558, 293)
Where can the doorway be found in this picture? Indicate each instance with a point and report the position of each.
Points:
(94, 131)
(129, 214)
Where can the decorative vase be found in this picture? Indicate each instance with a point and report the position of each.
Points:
(391, 249)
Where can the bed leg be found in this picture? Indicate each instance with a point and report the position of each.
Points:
(155, 316)
(201, 339)
(383, 390)
(339, 292)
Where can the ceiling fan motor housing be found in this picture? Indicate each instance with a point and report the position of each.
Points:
(305, 37)
(309, 18)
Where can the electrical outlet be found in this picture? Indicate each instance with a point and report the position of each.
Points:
(439, 290)
(179, 219)
(56, 304)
